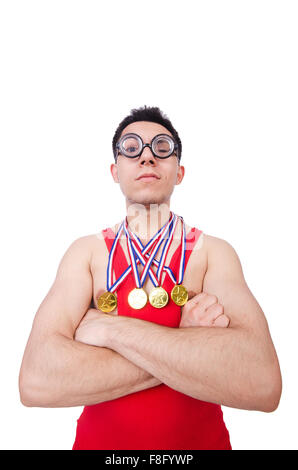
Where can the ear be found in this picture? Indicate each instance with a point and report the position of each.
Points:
(180, 174)
(114, 172)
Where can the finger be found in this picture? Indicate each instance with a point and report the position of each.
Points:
(203, 299)
(222, 321)
(210, 314)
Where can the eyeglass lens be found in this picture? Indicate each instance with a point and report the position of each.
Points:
(162, 146)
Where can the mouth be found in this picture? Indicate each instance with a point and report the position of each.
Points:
(149, 177)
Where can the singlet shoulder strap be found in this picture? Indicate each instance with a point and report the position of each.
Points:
(191, 239)
(120, 262)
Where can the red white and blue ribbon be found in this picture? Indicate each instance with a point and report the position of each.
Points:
(182, 256)
(165, 250)
(160, 264)
(110, 287)
(133, 251)
(144, 252)
(154, 261)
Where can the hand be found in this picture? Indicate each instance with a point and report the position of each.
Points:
(203, 310)
(93, 328)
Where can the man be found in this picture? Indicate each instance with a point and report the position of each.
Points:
(148, 377)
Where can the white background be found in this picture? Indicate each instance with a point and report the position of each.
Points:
(225, 73)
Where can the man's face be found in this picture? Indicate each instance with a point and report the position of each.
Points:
(127, 171)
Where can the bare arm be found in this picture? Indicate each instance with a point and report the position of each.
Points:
(235, 366)
(58, 371)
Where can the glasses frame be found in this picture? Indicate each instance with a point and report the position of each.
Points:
(142, 145)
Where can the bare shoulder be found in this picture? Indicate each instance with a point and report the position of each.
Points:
(99, 236)
(81, 247)
(90, 244)
(214, 243)
(96, 245)
(222, 256)
(80, 251)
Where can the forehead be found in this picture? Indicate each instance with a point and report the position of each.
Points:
(145, 129)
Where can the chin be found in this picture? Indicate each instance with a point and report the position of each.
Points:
(150, 199)
(149, 195)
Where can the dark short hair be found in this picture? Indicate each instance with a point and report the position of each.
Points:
(147, 113)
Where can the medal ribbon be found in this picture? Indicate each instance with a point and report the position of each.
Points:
(110, 262)
(128, 270)
(161, 263)
(152, 254)
(165, 250)
(143, 251)
(132, 250)
(182, 256)
(156, 263)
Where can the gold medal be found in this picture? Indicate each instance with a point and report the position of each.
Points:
(107, 302)
(158, 297)
(137, 298)
(179, 294)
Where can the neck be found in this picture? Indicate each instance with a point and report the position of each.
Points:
(145, 220)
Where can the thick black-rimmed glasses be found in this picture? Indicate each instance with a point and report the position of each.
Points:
(131, 145)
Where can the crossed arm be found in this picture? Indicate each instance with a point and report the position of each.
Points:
(235, 366)
(56, 370)
(229, 366)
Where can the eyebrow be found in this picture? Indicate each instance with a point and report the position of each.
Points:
(161, 134)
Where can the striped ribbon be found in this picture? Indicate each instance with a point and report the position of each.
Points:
(143, 252)
(182, 255)
(156, 263)
(110, 287)
(133, 251)
(157, 279)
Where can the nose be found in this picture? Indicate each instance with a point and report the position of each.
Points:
(147, 156)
